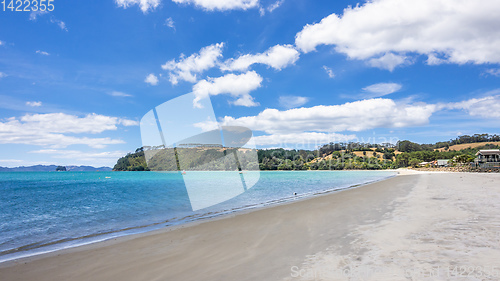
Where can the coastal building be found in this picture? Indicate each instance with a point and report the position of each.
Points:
(489, 158)
(442, 162)
(437, 163)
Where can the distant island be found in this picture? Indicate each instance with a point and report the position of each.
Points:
(343, 156)
(53, 168)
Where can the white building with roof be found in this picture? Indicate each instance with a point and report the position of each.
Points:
(488, 158)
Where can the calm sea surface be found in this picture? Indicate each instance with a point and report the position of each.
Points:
(42, 212)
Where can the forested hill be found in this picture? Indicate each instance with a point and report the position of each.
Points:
(132, 162)
(339, 156)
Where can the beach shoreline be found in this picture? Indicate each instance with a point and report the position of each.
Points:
(241, 244)
(168, 225)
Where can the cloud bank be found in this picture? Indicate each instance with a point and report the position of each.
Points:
(56, 130)
(446, 31)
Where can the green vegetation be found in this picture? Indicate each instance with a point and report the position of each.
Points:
(332, 156)
(132, 162)
(61, 169)
(425, 154)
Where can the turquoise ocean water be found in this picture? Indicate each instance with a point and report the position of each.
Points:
(43, 212)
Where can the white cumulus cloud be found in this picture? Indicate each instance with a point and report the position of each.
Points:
(2, 75)
(322, 124)
(151, 79)
(238, 86)
(353, 116)
(277, 57)
(221, 5)
(51, 129)
(386, 32)
(485, 107)
(65, 123)
(145, 5)
(325, 123)
(186, 68)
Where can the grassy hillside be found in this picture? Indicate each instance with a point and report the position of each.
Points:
(458, 147)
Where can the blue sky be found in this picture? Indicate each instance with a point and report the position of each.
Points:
(75, 82)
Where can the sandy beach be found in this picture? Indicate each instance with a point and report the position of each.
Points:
(416, 226)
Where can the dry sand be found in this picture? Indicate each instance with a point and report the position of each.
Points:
(405, 228)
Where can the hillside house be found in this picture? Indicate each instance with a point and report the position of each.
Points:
(442, 162)
(490, 155)
(488, 158)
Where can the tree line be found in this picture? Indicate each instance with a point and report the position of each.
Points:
(340, 156)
